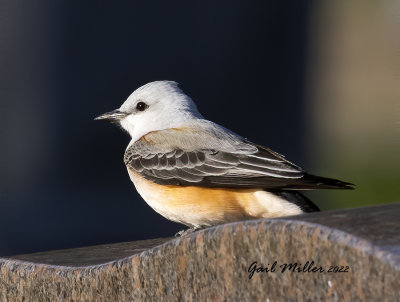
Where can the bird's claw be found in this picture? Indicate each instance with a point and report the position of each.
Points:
(186, 232)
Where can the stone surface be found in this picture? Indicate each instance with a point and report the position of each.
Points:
(91, 255)
(213, 264)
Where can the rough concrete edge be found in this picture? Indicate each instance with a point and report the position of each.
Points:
(341, 237)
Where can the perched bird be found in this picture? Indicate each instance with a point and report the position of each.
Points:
(198, 173)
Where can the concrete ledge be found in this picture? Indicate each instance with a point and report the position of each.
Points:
(214, 264)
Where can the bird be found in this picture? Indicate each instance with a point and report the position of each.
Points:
(200, 174)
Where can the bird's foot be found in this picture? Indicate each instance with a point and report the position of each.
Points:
(186, 232)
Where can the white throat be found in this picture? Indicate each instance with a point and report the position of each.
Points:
(138, 129)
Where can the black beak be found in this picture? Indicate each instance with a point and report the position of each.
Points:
(112, 116)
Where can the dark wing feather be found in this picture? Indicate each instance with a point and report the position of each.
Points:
(210, 168)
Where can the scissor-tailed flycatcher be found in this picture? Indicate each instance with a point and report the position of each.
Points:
(195, 172)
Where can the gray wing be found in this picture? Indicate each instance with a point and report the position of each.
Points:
(212, 156)
(212, 168)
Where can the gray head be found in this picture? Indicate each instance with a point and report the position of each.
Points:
(155, 106)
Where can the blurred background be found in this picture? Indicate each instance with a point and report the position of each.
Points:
(318, 81)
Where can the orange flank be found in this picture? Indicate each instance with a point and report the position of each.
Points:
(200, 206)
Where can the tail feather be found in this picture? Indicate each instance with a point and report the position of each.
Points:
(329, 183)
(313, 182)
(305, 204)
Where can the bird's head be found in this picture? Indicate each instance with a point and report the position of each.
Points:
(155, 106)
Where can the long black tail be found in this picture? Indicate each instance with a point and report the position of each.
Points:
(313, 182)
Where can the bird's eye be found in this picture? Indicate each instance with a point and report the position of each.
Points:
(141, 106)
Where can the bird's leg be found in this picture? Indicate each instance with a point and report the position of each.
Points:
(187, 231)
